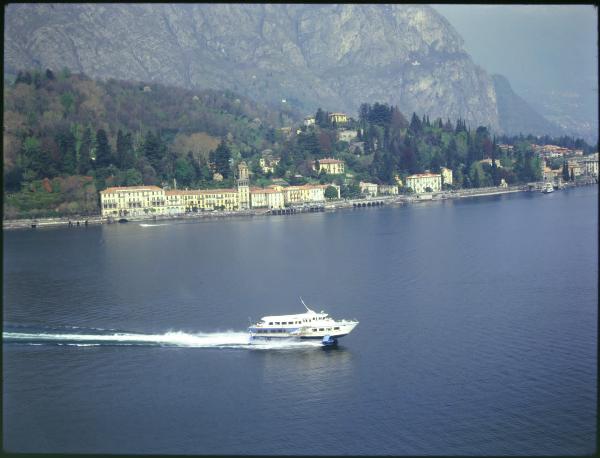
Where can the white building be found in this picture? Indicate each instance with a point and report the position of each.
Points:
(421, 181)
(387, 190)
(368, 189)
(446, 175)
(309, 121)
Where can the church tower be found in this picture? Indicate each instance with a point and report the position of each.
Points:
(243, 186)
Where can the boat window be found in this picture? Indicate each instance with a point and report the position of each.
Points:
(277, 322)
(271, 322)
(329, 329)
(315, 329)
(321, 329)
(336, 328)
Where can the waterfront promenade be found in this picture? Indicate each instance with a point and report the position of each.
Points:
(83, 221)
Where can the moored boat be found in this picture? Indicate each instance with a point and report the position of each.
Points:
(548, 187)
(309, 325)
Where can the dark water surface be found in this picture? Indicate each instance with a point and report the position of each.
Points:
(477, 335)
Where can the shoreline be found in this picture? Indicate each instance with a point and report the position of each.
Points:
(84, 221)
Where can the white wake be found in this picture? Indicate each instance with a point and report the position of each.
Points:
(229, 339)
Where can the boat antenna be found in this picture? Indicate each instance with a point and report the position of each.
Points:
(305, 306)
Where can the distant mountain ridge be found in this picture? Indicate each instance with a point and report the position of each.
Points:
(516, 115)
(332, 56)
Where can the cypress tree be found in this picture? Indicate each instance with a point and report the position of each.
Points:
(565, 171)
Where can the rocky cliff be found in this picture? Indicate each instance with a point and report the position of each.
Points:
(332, 56)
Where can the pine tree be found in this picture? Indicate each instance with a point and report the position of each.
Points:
(103, 151)
(415, 125)
(154, 149)
(125, 157)
(66, 145)
(222, 156)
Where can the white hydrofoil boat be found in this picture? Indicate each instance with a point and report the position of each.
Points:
(309, 325)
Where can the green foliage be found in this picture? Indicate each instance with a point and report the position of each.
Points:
(64, 125)
(222, 157)
(331, 192)
(103, 150)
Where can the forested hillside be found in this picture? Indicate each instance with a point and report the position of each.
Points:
(75, 136)
(66, 137)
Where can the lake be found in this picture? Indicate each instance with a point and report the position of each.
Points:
(477, 335)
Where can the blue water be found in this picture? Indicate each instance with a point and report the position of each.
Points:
(477, 336)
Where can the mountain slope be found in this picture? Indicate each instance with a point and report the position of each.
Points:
(517, 116)
(334, 56)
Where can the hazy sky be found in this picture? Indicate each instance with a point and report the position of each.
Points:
(550, 47)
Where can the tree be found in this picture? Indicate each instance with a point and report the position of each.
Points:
(185, 172)
(415, 126)
(125, 155)
(154, 149)
(84, 162)
(331, 192)
(321, 118)
(66, 145)
(103, 150)
(565, 171)
(222, 156)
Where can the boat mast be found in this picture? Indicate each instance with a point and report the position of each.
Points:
(305, 306)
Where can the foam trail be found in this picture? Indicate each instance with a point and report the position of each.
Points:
(153, 225)
(230, 339)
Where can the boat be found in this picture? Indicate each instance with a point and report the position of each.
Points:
(308, 325)
(547, 188)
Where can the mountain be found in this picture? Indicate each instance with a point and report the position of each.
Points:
(305, 56)
(517, 116)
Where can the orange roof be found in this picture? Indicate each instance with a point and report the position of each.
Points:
(131, 188)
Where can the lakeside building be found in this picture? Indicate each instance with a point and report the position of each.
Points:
(266, 198)
(446, 175)
(338, 118)
(309, 121)
(137, 201)
(347, 135)
(368, 189)
(421, 181)
(329, 165)
(546, 151)
(590, 165)
(585, 165)
(387, 190)
(268, 163)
